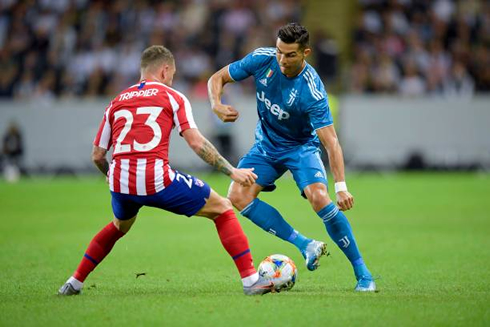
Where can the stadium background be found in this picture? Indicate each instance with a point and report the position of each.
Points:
(408, 82)
(417, 71)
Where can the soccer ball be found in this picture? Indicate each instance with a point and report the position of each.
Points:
(281, 270)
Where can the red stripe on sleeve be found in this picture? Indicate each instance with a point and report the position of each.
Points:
(99, 132)
(103, 138)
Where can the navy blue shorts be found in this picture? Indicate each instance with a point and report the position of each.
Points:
(186, 195)
(303, 162)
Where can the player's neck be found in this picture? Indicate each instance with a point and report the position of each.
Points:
(151, 77)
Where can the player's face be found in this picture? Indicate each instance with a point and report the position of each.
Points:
(168, 73)
(290, 57)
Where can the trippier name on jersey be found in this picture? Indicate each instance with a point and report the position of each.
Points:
(142, 93)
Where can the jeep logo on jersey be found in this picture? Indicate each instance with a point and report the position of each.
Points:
(272, 107)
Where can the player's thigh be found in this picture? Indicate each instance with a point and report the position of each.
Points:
(267, 169)
(124, 206)
(186, 195)
(307, 167)
(215, 205)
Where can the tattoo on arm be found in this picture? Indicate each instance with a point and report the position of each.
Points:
(103, 166)
(209, 154)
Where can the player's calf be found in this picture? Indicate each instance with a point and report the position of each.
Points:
(236, 244)
(339, 229)
(97, 250)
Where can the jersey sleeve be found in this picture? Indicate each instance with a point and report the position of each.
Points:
(319, 113)
(241, 69)
(317, 102)
(103, 138)
(182, 111)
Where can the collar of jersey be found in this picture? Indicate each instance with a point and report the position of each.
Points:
(150, 82)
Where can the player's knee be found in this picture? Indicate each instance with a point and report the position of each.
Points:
(220, 205)
(239, 200)
(124, 225)
(233, 197)
(319, 199)
(226, 204)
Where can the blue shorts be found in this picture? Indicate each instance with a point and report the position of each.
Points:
(186, 195)
(304, 163)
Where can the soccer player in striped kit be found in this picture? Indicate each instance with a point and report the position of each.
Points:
(137, 123)
(294, 118)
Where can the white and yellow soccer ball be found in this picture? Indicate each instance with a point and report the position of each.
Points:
(281, 270)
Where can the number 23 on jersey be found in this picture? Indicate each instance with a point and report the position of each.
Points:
(153, 113)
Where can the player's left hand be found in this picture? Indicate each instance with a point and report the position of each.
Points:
(345, 200)
(244, 176)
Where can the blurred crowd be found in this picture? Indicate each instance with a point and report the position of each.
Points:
(67, 48)
(70, 48)
(421, 47)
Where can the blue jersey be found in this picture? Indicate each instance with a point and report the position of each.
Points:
(290, 109)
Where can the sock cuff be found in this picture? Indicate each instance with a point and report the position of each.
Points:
(250, 207)
(112, 229)
(328, 212)
(227, 215)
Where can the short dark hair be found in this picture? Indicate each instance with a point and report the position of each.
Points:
(156, 55)
(294, 33)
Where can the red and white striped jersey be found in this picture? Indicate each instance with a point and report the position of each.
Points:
(137, 124)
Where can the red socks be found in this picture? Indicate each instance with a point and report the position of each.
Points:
(235, 242)
(229, 230)
(98, 248)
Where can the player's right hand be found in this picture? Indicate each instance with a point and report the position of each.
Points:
(244, 176)
(225, 112)
(345, 200)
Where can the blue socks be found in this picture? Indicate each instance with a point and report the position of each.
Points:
(338, 227)
(299, 240)
(340, 231)
(270, 220)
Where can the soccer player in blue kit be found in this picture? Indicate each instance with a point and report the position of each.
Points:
(294, 117)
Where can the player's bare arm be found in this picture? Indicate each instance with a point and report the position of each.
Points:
(330, 141)
(99, 159)
(216, 85)
(207, 152)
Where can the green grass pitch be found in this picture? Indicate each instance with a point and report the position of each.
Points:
(426, 235)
